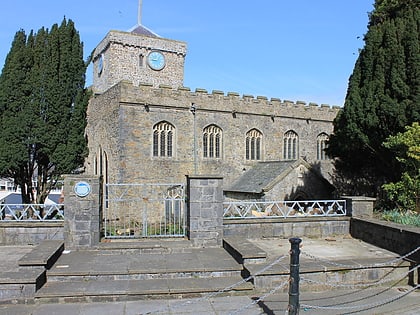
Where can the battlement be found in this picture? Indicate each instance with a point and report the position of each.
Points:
(220, 101)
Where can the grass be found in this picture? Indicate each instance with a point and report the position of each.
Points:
(406, 218)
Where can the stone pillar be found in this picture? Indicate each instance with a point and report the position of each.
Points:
(205, 210)
(82, 202)
(359, 206)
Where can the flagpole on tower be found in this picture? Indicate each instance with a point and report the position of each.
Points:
(139, 12)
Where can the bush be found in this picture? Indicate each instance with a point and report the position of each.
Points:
(406, 218)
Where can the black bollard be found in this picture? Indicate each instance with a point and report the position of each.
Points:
(293, 308)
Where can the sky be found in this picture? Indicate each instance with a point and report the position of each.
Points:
(300, 50)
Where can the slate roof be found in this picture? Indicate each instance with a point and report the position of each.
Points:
(259, 177)
(143, 30)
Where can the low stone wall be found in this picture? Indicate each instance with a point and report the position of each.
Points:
(285, 228)
(397, 238)
(23, 233)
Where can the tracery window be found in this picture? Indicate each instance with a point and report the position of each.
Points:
(163, 135)
(321, 145)
(253, 145)
(290, 145)
(212, 142)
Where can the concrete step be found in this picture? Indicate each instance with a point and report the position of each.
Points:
(21, 284)
(43, 255)
(29, 273)
(344, 275)
(122, 290)
(244, 251)
(146, 246)
(116, 273)
(324, 264)
(126, 265)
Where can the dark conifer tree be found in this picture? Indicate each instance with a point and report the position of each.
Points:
(42, 108)
(383, 97)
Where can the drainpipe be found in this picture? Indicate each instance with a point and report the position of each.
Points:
(193, 110)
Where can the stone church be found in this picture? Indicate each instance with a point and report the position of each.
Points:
(145, 126)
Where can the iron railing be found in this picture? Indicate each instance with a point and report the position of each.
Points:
(31, 212)
(144, 210)
(284, 209)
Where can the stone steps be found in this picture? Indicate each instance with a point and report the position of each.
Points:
(30, 273)
(147, 270)
(318, 271)
(123, 290)
(43, 255)
(315, 277)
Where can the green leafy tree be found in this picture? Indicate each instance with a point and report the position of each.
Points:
(383, 97)
(42, 109)
(405, 193)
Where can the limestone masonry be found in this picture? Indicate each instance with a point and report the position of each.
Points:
(144, 126)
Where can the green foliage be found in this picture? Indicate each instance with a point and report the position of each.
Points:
(42, 109)
(383, 97)
(407, 146)
(406, 218)
(405, 193)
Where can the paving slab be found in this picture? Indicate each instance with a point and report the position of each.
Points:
(95, 262)
(334, 248)
(10, 255)
(340, 302)
(368, 301)
(343, 250)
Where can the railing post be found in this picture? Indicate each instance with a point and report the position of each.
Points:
(293, 308)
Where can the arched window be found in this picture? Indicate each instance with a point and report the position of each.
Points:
(253, 145)
(163, 134)
(212, 142)
(321, 145)
(290, 145)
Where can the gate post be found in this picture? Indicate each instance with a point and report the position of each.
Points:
(293, 308)
(82, 202)
(205, 210)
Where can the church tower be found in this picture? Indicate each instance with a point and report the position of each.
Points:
(139, 56)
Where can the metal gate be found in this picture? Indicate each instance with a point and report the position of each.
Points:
(144, 210)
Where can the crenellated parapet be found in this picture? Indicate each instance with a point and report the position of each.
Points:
(230, 102)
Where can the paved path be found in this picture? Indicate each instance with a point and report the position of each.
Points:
(341, 302)
(214, 306)
(357, 301)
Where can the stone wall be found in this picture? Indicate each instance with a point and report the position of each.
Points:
(131, 112)
(24, 233)
(121, 52)
(286, 228)
(394, 237)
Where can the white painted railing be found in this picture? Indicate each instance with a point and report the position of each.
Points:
(31, 212)
(284, 209)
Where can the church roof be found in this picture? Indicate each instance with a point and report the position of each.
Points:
(143, 30)
(260, 176)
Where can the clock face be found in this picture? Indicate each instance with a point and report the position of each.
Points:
(156, 60)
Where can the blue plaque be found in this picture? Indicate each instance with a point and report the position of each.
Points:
(82, 189)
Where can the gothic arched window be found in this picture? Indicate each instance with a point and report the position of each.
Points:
(253, 145)
(290, 145)
(321, 145)
(163, 135)
(212, 142)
